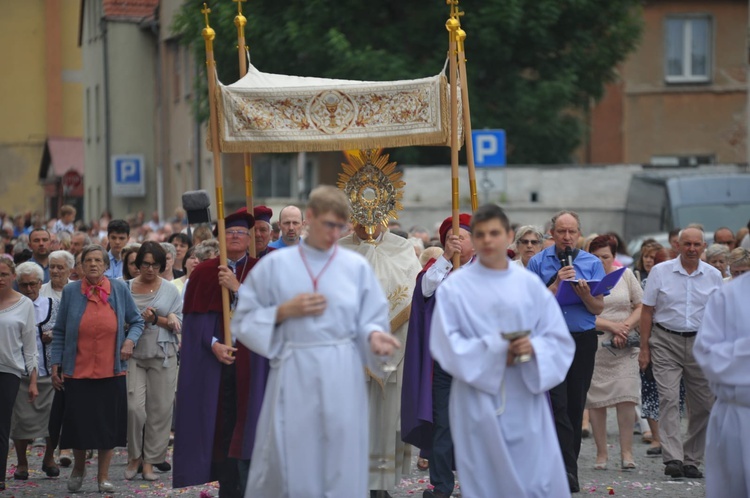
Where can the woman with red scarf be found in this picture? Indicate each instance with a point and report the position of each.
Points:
(97, 327)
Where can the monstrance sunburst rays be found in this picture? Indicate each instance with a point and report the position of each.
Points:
(373, 186)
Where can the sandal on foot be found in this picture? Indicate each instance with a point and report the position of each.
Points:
(627, 465)
(600, 466)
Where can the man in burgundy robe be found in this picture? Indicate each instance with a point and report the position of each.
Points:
(207, 397)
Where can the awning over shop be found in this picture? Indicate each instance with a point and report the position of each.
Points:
(60, 156)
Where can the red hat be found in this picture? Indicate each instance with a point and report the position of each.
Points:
(240, 218)
(464, 221)
(263, 213)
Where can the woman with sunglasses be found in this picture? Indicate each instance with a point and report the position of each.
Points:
(528, 242)
(152, 370)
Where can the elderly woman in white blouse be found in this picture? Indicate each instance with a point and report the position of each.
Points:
(18, 353)
(31, 420)
(61, 264)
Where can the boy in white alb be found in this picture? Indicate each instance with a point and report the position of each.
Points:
(494, 398)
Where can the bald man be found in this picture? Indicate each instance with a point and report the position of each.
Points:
(290, 222)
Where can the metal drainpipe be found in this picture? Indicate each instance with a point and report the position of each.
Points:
(197, 163)
(161, 136)
(107, 133)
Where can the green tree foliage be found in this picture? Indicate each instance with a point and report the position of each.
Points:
(533, 65)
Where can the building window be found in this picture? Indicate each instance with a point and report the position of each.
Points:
(688, 49)
(683, 161)
(272, 174)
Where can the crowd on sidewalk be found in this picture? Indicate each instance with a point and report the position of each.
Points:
(316, 365)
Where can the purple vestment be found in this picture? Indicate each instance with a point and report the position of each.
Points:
(416, 391)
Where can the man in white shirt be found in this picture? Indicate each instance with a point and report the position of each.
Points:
(673, 304)
(722, 349)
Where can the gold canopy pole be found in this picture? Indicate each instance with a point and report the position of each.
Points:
(460, 37)
(452, 25)
(240, 21)
(213, 126)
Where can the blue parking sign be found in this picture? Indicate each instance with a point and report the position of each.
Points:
(489, 148)
(128, 176)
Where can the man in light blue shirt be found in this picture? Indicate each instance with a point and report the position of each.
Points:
(569, 398)
(290, 222)
(118, 233)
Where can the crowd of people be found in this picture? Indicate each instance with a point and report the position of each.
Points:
(316, 366)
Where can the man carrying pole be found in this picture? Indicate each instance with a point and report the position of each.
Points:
(206, 395)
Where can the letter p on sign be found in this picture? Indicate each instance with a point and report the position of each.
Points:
(489, 148)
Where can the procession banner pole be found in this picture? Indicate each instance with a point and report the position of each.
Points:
(468, 142)
(240, 21)
(452, 25)
(208, 36)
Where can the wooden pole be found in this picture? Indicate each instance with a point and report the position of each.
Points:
(452, 26)
(213, 126)
(460, 37)
(240, 21)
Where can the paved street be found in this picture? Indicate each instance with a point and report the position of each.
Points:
(646, 481)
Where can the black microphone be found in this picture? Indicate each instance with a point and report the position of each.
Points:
(568, 256)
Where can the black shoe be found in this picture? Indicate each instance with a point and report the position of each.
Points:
(573, 483)
(434, 493)
(51, 471)
(692, 472)
(656, 450)
(164, 466)
(21, 475)
(2, 485)
(673, 468)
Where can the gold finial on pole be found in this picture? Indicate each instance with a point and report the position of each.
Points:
(452, 25)
(460, 37)
(208, 33)
(240, 20)
(213, 128)
(242, 50)
(206, 11)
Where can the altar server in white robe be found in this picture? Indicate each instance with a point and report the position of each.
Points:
(722, 349)
(503, 432)
(318, 313)
(396, 266)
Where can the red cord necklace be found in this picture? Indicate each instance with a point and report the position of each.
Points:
(316, 278)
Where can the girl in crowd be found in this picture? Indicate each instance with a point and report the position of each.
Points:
(18, 353)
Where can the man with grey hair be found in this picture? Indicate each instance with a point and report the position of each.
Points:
(674, 301)
(563, 261)
(290, 222)
(78, 241)
(725, 236)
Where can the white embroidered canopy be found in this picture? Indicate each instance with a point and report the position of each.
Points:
(265, 112)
